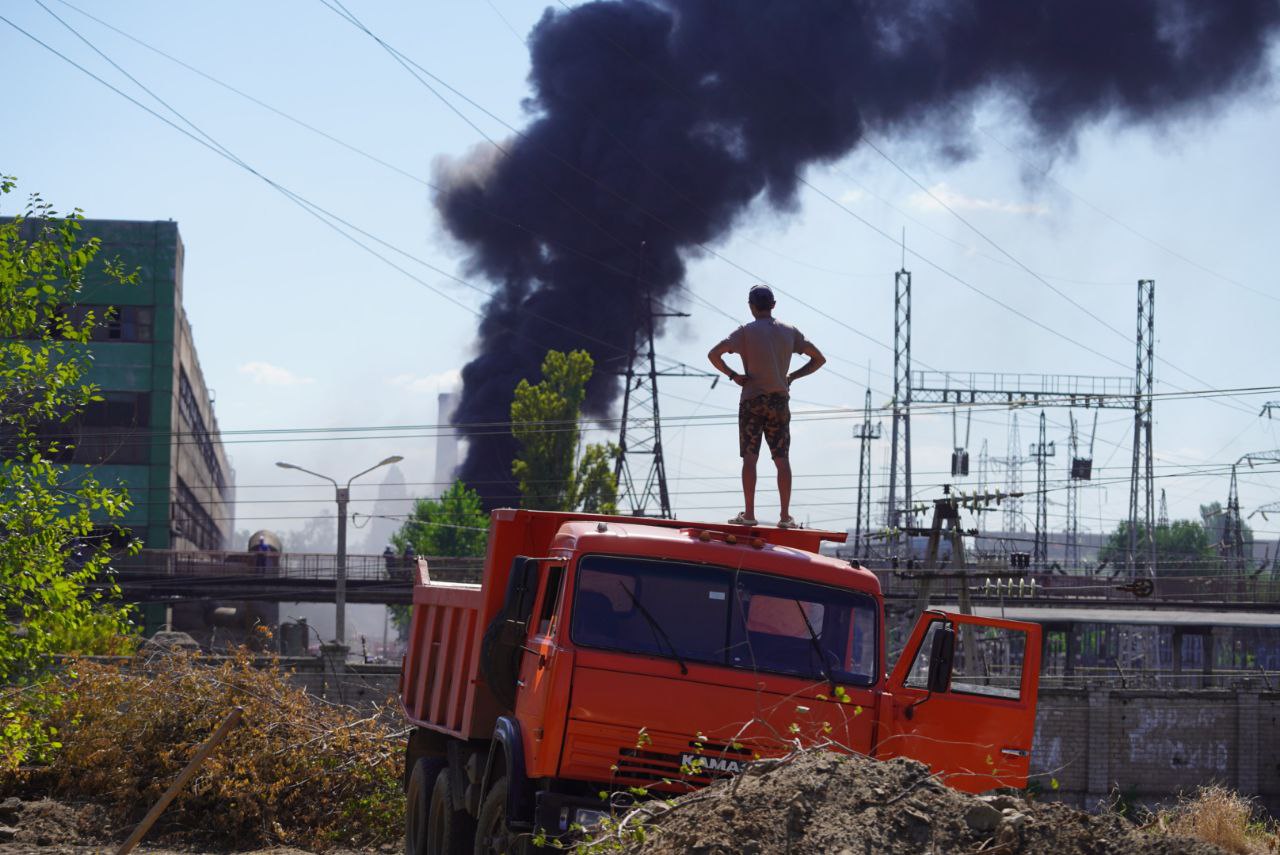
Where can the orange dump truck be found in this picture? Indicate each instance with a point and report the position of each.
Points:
(602, 654)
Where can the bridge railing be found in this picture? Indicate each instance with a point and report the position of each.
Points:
(1210, 588)
(1226, 588)
(301, 566)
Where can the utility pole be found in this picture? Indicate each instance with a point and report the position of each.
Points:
(1072, 557)
(864, 433)
(899, 514)
(1162, 521)
(1142, 510)
(1042, 451)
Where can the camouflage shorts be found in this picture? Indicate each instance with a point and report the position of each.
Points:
(768, 415)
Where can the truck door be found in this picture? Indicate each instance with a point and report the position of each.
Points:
(536, 684)
(963, 700)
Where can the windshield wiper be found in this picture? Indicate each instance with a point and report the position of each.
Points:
(817, 647)
(657, 628)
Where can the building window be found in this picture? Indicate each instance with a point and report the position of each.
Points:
(192, 521)
(190, 410)
(119, 323)
(113, 430)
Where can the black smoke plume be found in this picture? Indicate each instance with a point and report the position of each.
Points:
(656, 124)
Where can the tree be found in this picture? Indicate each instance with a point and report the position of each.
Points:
(1183, 548)
(1214, 519)
(551, 473)
(455, 524)
(53, 547)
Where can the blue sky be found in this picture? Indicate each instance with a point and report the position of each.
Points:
(298, 328)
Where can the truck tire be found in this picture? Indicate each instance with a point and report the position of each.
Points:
(492, 835)
(422, 779)
(449, 831)
(431, 825)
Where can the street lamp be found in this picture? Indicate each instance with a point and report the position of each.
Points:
(342, 494)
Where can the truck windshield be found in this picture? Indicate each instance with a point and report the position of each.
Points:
(722, 616)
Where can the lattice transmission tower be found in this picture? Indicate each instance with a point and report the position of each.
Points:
(1042, 451)
(1142, 499)
(642, 490)
(1013, 519)
(898, 513)
(864, 433)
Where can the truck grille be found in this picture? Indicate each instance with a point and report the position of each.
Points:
(696, 766)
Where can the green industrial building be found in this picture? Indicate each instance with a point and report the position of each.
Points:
(155, 431)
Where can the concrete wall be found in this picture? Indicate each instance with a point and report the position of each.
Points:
(1150, 746)
(354, 684)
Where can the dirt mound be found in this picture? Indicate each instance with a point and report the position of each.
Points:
(819, 802)
(50, 827)
(26, 825)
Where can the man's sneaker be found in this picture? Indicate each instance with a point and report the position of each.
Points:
(742, 519)
(788, 522)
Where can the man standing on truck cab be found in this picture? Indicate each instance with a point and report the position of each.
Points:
(765, 345)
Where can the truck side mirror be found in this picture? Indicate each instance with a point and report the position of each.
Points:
(941, 657)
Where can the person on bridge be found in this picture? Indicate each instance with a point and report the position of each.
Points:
(389, 559)
(409, 560)
(261, 555)
(765, 346)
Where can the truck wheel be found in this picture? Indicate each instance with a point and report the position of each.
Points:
(449, 831)
(492, 835)
(422, 779)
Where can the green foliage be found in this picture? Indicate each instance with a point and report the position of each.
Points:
(455, 524)
(552, 475)
(49, 554)
(1182, 548)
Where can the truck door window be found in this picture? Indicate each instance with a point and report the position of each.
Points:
(550, 598)
(918, 676)
(988, 661)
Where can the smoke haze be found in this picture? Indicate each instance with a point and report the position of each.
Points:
(656, 124)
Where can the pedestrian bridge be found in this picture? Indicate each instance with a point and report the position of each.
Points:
(158, 576)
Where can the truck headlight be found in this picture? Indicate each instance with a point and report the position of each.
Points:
(588, 818)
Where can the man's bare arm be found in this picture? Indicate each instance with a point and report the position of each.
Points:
(716, 355)
(816, 361)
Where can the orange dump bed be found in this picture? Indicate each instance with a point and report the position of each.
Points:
(437, 681)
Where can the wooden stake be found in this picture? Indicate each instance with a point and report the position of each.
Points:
(181, 781)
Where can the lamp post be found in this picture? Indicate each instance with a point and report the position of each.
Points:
(343, 494)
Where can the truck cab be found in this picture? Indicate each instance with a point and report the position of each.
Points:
(622, 656)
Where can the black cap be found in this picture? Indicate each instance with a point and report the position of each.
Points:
(761, 296)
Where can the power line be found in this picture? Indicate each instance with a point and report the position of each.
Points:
(325, 216)
(1157, 244)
